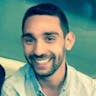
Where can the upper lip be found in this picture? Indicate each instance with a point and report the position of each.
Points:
(41, 60)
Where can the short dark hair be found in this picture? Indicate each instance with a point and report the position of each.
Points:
(47, 9)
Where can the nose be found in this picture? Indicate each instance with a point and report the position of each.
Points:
(39, 48)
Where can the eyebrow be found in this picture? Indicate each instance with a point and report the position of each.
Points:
(46, 34)
(27, 34)
(50, 33)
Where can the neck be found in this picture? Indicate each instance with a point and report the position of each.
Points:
(55, 81)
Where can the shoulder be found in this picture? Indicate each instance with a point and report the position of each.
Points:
(82, 82)
(14, 84)
(17, 77)
(80, 76)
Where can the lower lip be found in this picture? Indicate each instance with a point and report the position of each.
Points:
(42, 66)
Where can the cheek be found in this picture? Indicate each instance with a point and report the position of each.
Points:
(58, 47)
(28, 49)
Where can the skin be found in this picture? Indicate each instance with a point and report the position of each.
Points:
(44, 47)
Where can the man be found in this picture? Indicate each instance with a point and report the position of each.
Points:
(46, 37)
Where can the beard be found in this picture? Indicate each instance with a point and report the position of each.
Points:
(56, 62)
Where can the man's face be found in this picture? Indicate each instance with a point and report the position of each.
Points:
(44, 44)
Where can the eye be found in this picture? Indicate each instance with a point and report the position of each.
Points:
(50, 39)
(28, 40)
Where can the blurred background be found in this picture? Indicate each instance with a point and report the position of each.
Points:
(81, 15)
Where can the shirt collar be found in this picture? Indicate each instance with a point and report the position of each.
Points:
(63, 87)
(36, 84)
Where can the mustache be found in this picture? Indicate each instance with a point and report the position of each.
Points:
(39, 57)
(34, 56)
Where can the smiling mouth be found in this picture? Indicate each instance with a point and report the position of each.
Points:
(42, 61)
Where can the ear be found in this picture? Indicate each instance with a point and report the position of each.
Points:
(69, 41)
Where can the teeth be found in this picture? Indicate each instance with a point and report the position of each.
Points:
(42, 61)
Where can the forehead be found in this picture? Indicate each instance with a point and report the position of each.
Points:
(42, 19)
(42, 23)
